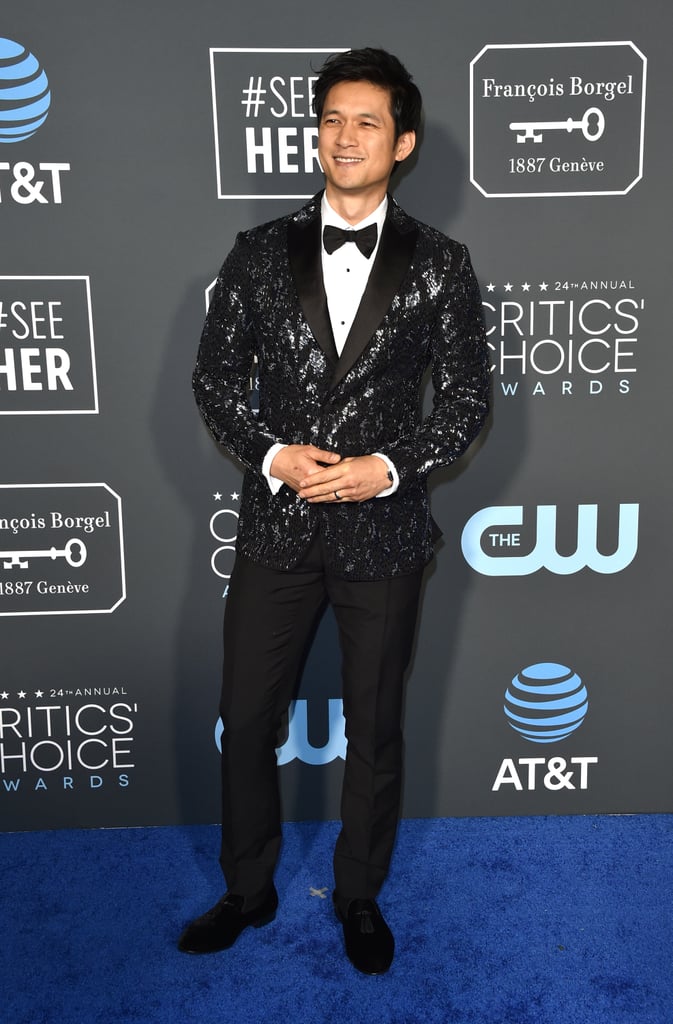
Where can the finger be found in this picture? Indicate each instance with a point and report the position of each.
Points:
(324, 479)
(321, 455)
(324, 493)
(331, 497)
(336, 496)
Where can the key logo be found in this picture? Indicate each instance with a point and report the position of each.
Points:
(557, 119)
(592, 126)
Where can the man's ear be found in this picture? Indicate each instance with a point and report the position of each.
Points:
(405, 145)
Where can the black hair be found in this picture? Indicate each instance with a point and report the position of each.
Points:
(380, 68)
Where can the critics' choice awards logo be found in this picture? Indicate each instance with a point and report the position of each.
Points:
(492, 547)
(223, 527)
(306, 740)
(66, 739)
(25, 99)
(61, 549)
(266, 139)
(563, 339)
(557, 119)
(47, 357)
(545, 703)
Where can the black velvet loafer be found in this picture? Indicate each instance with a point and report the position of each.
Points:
(370, 945)
(220, 926)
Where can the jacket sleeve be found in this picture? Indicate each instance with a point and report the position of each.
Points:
(224, 364)
(460, 377)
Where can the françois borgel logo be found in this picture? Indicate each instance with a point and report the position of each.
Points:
(25, 100)
(61, 549)
(265, 130)
(557, 119)
(47, 358)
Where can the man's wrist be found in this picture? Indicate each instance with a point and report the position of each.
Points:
(393, 478)
(274, 482)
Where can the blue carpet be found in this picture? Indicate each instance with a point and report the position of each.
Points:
(556, 920)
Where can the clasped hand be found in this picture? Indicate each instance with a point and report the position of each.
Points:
(321, 476)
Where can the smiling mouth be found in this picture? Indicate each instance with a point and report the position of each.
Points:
(348, 159)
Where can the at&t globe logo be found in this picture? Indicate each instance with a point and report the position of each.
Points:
(24, 92)
(545, 703)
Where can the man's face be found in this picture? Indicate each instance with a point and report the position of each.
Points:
(356, 140)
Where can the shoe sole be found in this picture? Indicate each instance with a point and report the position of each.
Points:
(267, 919)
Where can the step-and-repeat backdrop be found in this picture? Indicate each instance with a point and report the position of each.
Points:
(136, 139)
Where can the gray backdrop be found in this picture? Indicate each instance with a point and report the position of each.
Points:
(540, 677)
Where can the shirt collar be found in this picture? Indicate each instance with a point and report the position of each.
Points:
(329, 216)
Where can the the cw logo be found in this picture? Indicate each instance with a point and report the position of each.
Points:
(298, 745)
(489, 523)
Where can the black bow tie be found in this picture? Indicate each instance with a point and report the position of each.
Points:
(365, 239)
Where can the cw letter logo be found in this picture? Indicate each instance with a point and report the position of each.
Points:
(298, 745)
(487, 525)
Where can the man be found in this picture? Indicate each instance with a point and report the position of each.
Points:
(344, 304)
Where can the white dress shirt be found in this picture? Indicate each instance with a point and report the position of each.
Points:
(346, 271)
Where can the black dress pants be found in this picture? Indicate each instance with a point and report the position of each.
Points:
(268, 621)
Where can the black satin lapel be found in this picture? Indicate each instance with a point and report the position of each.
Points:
(303, 243)
(390, 265)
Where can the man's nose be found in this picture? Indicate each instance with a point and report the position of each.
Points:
(346, 136)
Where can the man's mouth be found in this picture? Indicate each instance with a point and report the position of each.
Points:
(348, 159)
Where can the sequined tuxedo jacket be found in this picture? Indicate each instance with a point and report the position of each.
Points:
(421, 305)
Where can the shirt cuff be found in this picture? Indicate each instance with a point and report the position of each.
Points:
(391, 468)
(274, 482)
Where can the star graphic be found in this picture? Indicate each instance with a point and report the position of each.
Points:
(4, 695)
(217, 496)
(39, 693)
(508, 287)
(490, 287)
(22, 693)
(525, 287)
(544, 286)
(234, 496)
